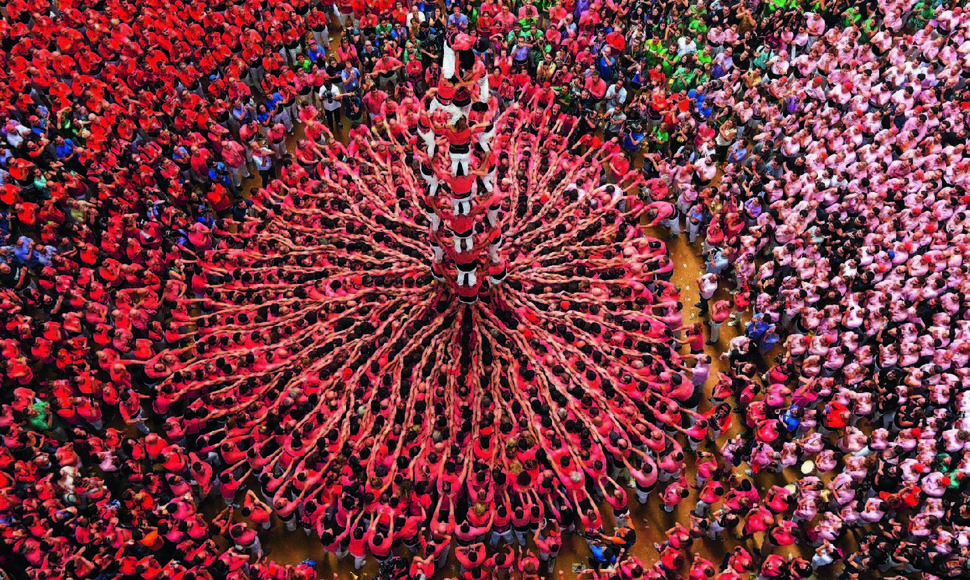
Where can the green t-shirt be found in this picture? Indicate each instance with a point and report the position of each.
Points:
(39, 421)
(922, 13)
(655, 52)
(851, 16)
(682, 78)
(867, 30)
(761, 58)
(697, 26)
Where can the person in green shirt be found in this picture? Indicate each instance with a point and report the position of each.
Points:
(921, 14)
(697, 26)
(705, 57)
(39, 417)
(761, 57)
(384, 29)
(684, 76)
(410, 53)
(658, 138)
(867, 30)
(303, 63)
(851, 17)
(654, 52)
(776, 5)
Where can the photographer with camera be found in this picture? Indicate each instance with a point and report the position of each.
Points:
(331, 96)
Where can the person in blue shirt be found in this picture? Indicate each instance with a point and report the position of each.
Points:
(606, 64)
(22, 249)
(603, 556)
(263, 114)
(457, 19)
(220, 174)
(757, 327)
(5, 230)
(737, 152)
(633, 137)
(791, 418)
(350, 77)
(274, 101)
(40, 256)
(205, 216)
(63, 148)
(317, 54)
(769, 338)
(241, 209)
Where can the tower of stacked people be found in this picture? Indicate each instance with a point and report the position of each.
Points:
(462, 202)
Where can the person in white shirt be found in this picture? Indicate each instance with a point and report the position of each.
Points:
(415, 17)
(685, 46)
(615, 95)
(331, 97)
(706, 286)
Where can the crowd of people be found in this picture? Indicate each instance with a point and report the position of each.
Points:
(211, 295)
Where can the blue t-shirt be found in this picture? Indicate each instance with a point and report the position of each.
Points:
(65, 149)
(459, 20)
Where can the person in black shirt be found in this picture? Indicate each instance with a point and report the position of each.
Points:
(12, 276)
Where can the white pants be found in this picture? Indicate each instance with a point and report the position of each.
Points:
(459, 159)
(715, 331)
(488, 180)
(279, 148)
(693, 230)
(449, 63)
(322, 38)
(673, 223)
(493, 250)
(452, 110)
(492, 215)
(467, 278)
(284, 117)
(462, 206)
(237, 175)
(434, 219)
(439, 254)
(483, 92)
(428, 138)
(485, 140)
(466, 243)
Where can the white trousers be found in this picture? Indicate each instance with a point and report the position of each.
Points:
(464, 244)
(488, 180)
(451, 109)
(485, 140)
(462, 206)
(449, 62)
(459, 160)
(428, 138)
(467, 278)
(322, 38)
(492, 215)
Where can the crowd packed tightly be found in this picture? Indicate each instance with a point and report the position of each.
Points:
(376, 271)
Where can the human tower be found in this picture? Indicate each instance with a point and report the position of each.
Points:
(369, 382)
